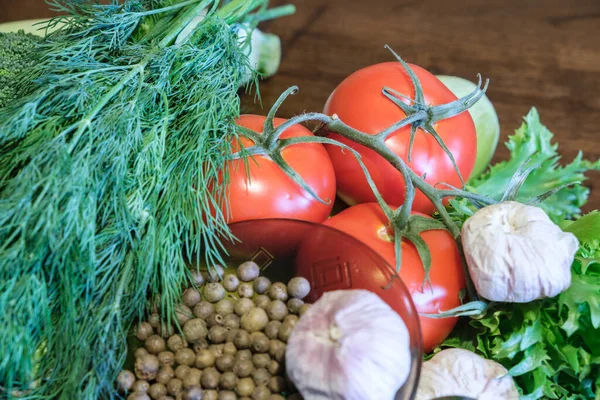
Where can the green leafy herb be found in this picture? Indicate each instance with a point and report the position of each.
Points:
(104, 181)
(551, 346)
(17, 53)
(532, 143)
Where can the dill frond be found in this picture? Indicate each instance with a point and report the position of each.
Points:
(105, 188)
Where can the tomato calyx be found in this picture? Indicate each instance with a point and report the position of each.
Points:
(428, 115)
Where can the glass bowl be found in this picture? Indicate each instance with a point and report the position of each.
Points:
(330, 260)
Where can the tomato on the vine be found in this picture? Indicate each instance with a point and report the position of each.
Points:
(267, 192)
(367, 223)
(359, 102)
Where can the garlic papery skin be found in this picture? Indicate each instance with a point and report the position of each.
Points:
(515, 253)
(458, 372)
(349, 345)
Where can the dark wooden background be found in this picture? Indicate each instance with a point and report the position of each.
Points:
(542, 53)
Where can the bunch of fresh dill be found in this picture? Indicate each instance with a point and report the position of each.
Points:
(104, 179)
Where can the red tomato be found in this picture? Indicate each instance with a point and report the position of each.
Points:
(359, 102)
(270, 193)
(367, 223)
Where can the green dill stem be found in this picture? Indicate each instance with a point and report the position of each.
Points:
(138, 69)
(274, 13)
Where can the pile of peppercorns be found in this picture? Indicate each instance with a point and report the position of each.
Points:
(232, 344)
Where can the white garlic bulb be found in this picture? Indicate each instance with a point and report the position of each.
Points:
(458, 372)
(515, 253)
(349, 345)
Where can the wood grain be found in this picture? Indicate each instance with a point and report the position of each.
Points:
(537, 53)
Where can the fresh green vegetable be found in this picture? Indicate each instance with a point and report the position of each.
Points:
(531, 146)
(485, 118)
(103, 181)
(551, 347)
(17, 53)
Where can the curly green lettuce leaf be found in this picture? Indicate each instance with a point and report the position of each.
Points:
(532, 144)
(551, 347)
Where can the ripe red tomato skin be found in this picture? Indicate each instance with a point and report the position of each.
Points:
(270, 193)
(364, 221)
(358, 102)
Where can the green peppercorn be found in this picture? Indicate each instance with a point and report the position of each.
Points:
(166, 358)
(291, 320)
(214, 319)
(231, 282)
(245, 290)
(224, 306)
(225, 363)
(140, 386)
(230, 349)
(190, 297)
(243, 368)
(262, 301)
(244, 387)
(284, 332)
(231, 321)
(243, 355)
(298, 287)
(203, 309)
(261, 360)
(155, 344)
(227, 395)
(278, 291)
(146, 367)
(248, 271)
(261, 376)
(139, 352)
(195, 329)
(210, 378)
(261, 393)
(294, 305)
(182, 371)
(259, 342)
(213, 292)
(174, 386)
(261, 285)
(274, 368)
(143, 331)
(192, 379)
(185, 357)
(192, 393)
(197, 277)
(217, 334)
(157, 390)
(176, 342)
(242, 306)
(210, 395)
(183, 314)
(165, 374)
(217, 349)
(277, 310)
(125, 381)
(228, 380)
(215, 273)
(254, 320)
(204, 359)
(277, 384)
(272, 329)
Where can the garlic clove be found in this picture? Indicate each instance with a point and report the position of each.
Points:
(515, 253)
(350, 345)
(458, 372)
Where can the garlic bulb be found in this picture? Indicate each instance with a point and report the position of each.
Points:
(515, 253)
(349, 345)
(458, 372)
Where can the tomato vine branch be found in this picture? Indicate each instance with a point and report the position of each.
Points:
(418, 116)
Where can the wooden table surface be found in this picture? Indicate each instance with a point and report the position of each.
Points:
(542, 53)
